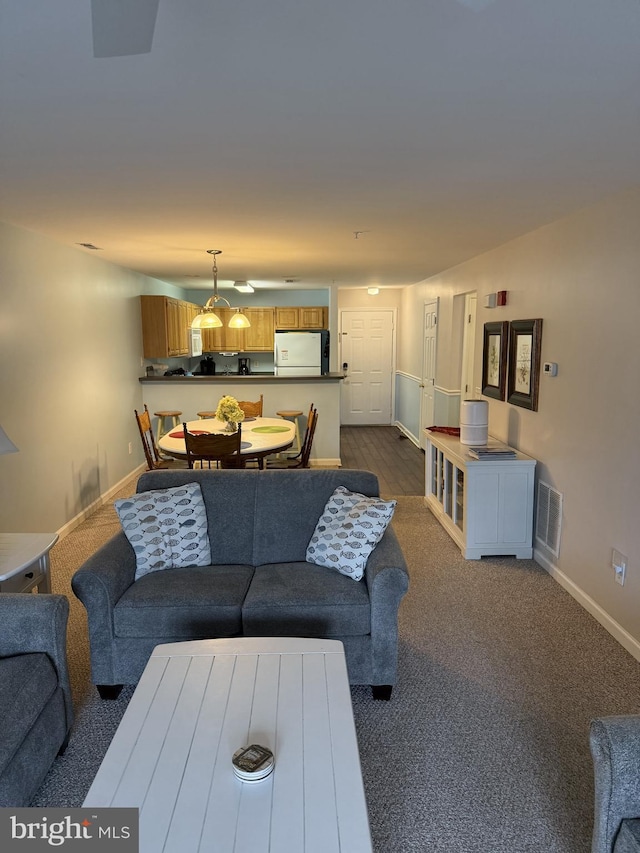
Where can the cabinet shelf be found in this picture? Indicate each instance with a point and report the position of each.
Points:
(486, 506)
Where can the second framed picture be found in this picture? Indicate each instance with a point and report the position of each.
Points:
(525, 338)
(494, 359)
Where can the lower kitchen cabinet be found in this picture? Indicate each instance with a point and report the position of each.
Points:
(486, 506)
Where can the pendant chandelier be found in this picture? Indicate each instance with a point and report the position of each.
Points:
(207, 318)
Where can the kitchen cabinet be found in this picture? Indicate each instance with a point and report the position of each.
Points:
(307, 317)
(486, 506)
(259, 337)
(166, 322)
(165, 326)
(223, 339)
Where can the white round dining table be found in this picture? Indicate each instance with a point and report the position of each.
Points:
(260, 436)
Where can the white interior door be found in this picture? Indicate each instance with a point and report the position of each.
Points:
(366, 348)
(428, 382)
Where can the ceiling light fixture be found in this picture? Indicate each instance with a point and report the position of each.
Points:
(243, 286)
(207, 318)
(373, 291)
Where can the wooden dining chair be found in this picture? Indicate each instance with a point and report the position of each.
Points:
(301, 460)
(251, 410)
(214, 447)
(148, 441)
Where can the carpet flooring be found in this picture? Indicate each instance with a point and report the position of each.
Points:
(483, 747)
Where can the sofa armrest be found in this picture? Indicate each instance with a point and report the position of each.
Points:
(615, 749)
(387, 581)
(106, 575)
(99, 584)
(37, 623)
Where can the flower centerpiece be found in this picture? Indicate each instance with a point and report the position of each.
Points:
(230, 412)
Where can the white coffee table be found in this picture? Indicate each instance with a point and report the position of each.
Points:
(195, 705)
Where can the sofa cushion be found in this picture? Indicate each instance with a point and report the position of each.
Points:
(290, 503)
(202, 601)
(303, 600)
(28, 683)
(628, 838)
(167, 528)
(349, 528)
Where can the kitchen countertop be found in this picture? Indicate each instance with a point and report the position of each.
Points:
(235, 377)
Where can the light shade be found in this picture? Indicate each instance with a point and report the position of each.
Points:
(6, 445)
(239, 321)
(243, 286)
(209, 320)
(373, 291)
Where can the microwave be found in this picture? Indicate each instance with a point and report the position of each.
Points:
(195, 342)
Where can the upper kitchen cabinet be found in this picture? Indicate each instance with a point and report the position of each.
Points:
(301, 318)
(223, 339)
(165, 326)
(259, 337)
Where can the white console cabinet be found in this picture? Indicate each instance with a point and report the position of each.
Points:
(486, 506)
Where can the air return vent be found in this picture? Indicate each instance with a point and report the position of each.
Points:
(549, 517)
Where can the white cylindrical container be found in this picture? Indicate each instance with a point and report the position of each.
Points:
(474, 422)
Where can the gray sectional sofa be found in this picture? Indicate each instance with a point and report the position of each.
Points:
(35, 698)
(258, 583)
(615, 749)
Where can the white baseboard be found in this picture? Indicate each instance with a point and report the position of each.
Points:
(406, 432)
(103, 499)
(326, 463)
(608, 623)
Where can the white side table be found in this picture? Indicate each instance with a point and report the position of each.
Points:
(24, 561)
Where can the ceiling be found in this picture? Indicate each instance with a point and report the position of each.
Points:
(354, 142)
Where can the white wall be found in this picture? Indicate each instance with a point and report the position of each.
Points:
(70, 348)
(581, 275)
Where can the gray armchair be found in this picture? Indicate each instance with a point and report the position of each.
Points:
(35, 698)
(615, 748)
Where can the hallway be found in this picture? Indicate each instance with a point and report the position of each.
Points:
(396, 461)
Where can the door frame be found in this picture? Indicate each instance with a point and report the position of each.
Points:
(394, 354)
(421, 427)
(468, 345)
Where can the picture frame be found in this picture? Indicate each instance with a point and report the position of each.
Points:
(525, 338)
(494, 359)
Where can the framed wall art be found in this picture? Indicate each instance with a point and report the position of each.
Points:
(525, 337)
(494, 359)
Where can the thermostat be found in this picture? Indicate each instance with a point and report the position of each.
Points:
(550, 368)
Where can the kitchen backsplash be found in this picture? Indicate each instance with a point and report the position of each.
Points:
(259, 363)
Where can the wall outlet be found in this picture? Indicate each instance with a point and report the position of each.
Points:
(130, 448)
(619, 563)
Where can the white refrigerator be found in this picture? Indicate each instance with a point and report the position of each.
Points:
(298, 353)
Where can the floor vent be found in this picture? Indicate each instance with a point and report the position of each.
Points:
(549, 517)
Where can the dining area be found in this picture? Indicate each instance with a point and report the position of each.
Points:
(200, 394)
(230, 437)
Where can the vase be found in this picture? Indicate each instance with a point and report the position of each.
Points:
(231, 426)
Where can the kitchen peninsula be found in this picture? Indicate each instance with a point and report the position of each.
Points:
(191, 394)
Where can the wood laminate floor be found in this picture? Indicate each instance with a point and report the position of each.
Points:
(396, 461)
